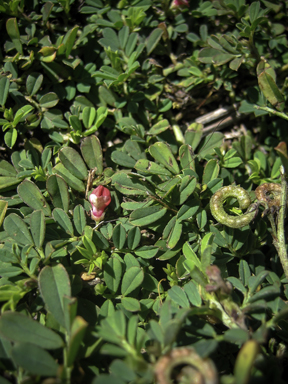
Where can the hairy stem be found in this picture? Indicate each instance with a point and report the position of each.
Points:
(280, 228)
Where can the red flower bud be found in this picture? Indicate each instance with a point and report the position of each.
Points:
(100, 198)
(180, 3)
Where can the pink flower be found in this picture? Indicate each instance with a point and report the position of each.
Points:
(180, 3)
(100, 198)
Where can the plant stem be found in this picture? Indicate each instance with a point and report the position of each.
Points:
(273, 111)
(280, 228)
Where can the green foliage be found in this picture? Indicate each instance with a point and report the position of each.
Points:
(112, 93)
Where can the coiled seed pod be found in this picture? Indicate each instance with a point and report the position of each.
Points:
(219, 213)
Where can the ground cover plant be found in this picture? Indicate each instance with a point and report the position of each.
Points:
(125, 256)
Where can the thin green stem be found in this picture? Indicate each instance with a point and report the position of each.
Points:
(270, 110)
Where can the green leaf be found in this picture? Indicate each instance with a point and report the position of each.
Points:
(3, 209)
(10, 137)
(58, 191)
(17, 230)
(92, 153)
(79, 219)
(206, 250)
(189, 209)
(153, 39)
(187, 187)
(69, 40)
(148, 215)
(38, 227)
(73, 162)
(133, 238)
(75, 123)
(123, 36)
(213, 140)
(178, 296)
(174, 235)
(119, 236)
(78, 330)
(7, 182)
(110, 39)
(49, 100)
(4, 90)
(34, 359)
(270, 90)
(211, 171)
(132, 279)
(34, 82)
(22, 113)
(13, 32)
(147, 167)
(10, 271)
(147, 251)
(32, 196)
(100, 241)
(7, 169)
(63, 220)
(123, 159)
(254, 11)
(88, 117)
(193, 294)
(159, 127)
(191, 255)
(113, 274)
(129, 184)
(162, 153)
(130, 304)
(214, 56)
(54, 283)
(17, 327)
(70, 179)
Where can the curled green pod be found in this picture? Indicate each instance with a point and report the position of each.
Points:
(269, 193)
(197, 369)
(219, 213)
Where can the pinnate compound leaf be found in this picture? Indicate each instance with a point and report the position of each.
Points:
(54, 284)
(32, 196)
(20, 328)
(17, 230)
(34, 359)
